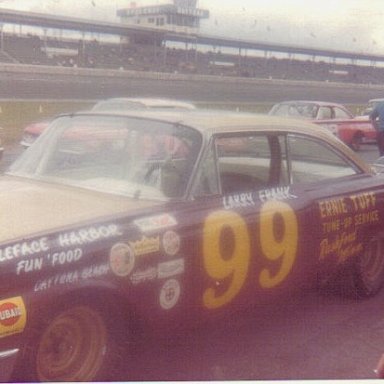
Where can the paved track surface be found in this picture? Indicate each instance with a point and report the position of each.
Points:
(42, 86)
(314, 337)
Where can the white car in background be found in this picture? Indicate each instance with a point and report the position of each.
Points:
(32, 131)
(122, 103)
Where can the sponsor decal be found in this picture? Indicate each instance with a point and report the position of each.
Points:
(121, 259)
(88, 235)
(278, 193)
(29, 265)
(238, 201)
(72, 277)
(171, 243)
(157, 222)
(144, 275)
(53, 259)
(341, 218)
(170, 294)
(65, 257)
(145, 245)
(23, 249)
(13, 316)
(344, 245)
(170, 268)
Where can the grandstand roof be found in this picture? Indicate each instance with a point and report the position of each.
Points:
(83, 25)
(163, 9)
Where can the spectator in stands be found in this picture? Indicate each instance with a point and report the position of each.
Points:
(377, 118)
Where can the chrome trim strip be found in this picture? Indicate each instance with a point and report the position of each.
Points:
(9, 353)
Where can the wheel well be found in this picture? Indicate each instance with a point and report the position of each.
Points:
(120, 319)
(116, 309)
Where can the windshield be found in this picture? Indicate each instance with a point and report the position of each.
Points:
(298, 110)
(133, 157)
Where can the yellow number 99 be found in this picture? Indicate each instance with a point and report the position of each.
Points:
(275, 247)
(219, 268)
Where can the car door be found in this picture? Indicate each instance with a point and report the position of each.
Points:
(252, 237)
(346, 205)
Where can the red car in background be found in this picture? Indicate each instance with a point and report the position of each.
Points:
(352, 130)
(33, 131)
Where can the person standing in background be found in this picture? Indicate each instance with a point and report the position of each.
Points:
(377, 119)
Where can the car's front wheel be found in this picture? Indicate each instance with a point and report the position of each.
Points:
(356, 142)
(75, 345)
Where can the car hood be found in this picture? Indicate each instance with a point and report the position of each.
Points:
(30, 207)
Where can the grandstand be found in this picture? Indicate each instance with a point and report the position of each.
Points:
(148, 39)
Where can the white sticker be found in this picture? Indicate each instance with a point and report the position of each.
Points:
(121, 259)
(170, 294)
(170, 268)
(153, 223)
(171, 243)
(143, 276)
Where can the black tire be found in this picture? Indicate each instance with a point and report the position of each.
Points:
(75, 345)
(368, 271)
(356, 142)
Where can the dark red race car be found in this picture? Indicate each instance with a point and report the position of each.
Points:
(120, 225)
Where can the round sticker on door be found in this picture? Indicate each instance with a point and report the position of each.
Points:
(121, 259)
(171, 243)
(170, 294)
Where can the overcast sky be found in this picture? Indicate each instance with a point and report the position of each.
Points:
(353, 25)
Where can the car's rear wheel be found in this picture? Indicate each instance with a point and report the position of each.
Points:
(356, 142)
(368, 273)
(77, 344)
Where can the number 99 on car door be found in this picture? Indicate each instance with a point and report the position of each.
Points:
(248, 252)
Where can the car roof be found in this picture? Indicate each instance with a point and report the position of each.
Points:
(218, 121)
(215, 121)
(210, 122)
(320, 103)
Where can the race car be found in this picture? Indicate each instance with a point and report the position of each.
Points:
(120, 225)
(352, 130)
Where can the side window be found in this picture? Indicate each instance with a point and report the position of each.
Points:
(324, 113)
(341, 114)
(207, 178)
(312, 161)
(250, 162)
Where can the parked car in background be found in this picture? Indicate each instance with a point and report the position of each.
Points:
(32, 131)
(122, 225)
(352, 130)
(130, 103)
